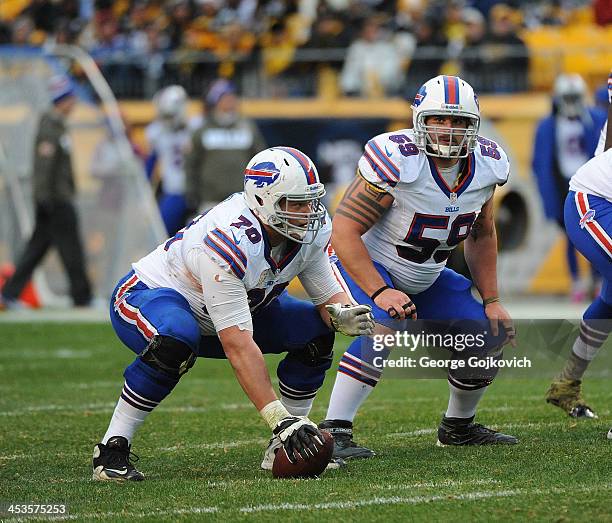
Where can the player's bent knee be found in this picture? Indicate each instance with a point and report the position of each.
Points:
(317, 352)
(182, 326)
(168, 355)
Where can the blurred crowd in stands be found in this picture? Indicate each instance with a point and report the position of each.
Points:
(298, 47)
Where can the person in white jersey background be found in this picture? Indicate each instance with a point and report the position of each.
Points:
(169, 138)
(217, 289)
(418, 193)
(588, 222)
(564, 140)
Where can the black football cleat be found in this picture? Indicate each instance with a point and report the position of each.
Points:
(344, 446)
(463, 431)
(113, 461)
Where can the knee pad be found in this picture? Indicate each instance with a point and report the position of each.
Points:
(168, 355)
(317, 352)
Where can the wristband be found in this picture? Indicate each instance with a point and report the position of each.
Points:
(273, 412)
(379, 291)
(488, 301)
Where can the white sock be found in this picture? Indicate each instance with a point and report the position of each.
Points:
(347, 397)
(463, 403)
(589, 341)
(125, 421)
(297, 407)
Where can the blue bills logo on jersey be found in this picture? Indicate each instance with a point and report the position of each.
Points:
(262, 174)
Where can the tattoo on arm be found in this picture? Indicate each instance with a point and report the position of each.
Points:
(484, 225)
(363, 203)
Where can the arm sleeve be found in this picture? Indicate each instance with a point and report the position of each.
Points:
(224, 295)
(319, 281)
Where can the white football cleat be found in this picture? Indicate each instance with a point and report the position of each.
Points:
(610, 434)
(275, 444)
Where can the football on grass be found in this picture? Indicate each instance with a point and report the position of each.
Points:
(315, 466)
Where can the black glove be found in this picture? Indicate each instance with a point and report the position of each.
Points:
(299, 436)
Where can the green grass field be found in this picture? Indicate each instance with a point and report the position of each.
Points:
(201, 449)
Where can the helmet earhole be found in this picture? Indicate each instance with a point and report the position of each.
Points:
(286, 162)
(259, 200)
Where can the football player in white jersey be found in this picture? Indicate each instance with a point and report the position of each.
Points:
(217, 289)
(169, 137)
(604, 131)
(588, 222)
(564, 140)
(418, 194)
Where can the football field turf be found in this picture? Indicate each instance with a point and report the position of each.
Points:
(201, 449)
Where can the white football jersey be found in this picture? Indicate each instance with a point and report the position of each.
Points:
(570, 154)
(170, 146)
(427, 219)
(602, 136)
(602, 140)
(232, 236)
(595, 176)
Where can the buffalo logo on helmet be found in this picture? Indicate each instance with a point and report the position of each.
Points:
(420, 96)
(264, 173)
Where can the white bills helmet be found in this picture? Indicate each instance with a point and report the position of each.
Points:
(285, 173)
(171, 105)
(448, 96)
(570, 94)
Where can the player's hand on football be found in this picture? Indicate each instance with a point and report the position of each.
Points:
(498, 315)
(397, 304)
(352, 320)
(300, 436)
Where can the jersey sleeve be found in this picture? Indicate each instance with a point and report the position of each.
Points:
(389, 159)
(225, 297)
(495, 158)
(223, 247)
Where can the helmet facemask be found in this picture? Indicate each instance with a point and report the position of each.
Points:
(311, 221)
(446, 142)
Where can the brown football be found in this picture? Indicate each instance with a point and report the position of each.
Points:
(311, 468)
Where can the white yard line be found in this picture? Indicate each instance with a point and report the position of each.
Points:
(108, 407)
(216, 445)
(414, 500)
(336, 505)
(434, 484)
(40, 354)
(526, 425)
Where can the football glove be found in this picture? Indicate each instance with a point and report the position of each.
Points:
(352, 320)
(299, 436)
